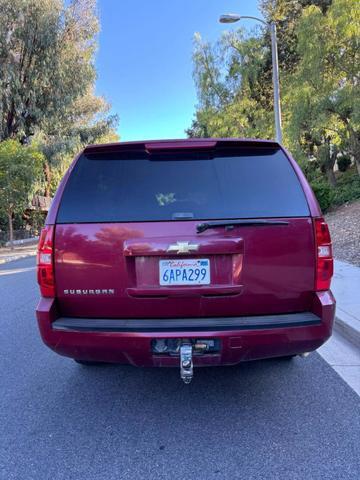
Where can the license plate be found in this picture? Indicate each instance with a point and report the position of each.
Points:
(184, 272)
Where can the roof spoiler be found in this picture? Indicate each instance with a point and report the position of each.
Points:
(157, 146)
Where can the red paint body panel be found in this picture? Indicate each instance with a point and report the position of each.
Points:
(254, 271)
(277, 271)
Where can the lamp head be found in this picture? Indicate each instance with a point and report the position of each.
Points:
(229, 18)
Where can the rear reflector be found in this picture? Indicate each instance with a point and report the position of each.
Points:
(324, 258)
(45, 265)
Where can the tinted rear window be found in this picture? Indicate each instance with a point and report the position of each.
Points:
(114, 188)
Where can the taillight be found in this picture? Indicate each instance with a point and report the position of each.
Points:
(45, 264)
(324, 258)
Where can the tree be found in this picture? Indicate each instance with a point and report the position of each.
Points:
(47, 61)
(20, 174)
(47, 80)
(286, 14)
(235, 98)
(323, 94)
(319, 57)
(86, 121)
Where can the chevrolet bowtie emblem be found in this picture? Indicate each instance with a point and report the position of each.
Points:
(183, 247)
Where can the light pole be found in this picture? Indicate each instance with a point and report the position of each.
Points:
(232, 18)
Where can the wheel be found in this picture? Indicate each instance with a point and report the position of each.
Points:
(88, 363)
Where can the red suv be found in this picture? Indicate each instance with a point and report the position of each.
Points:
(184, 253)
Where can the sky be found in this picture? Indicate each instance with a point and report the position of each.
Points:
(144, 61)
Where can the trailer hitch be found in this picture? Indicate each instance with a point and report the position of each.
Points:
(186, 363)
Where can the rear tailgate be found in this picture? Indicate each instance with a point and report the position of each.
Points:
(125, 219)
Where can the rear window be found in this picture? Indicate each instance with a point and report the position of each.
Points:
(117, 188)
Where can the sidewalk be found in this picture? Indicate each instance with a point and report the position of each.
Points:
(342, 350)
(20, 251)
(346, 289)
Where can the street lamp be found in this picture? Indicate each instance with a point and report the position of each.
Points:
(232, 18)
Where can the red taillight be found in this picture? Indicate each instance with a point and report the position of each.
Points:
(324, 258)
(45, 264)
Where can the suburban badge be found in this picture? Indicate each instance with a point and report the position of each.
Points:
(103, 291)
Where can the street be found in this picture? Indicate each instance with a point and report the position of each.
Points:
(264, 420)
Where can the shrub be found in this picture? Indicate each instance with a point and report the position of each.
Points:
(311, 170)
(324, 193)
(343, 163)
(348, 188)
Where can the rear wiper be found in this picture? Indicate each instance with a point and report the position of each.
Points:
(230, 224)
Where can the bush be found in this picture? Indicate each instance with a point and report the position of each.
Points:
(348, 188)
(311, 170)
(324, 193)
(343, 163)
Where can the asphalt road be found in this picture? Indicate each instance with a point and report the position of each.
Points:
(262, 420)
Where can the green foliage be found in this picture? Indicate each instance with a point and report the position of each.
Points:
(322, 95)
(20, 175)
(42, 44)
(324, 193)
(347, 189)
(233, 97)
(343, 162)
(88, 121)
(319, 58)
(47, 79)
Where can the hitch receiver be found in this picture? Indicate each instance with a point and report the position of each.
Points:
(186, 363)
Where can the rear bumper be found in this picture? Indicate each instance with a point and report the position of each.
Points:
(241, 338)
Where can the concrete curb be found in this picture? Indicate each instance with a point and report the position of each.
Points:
(345, 287)
(346, 326)
(25, 241)
(13, 258)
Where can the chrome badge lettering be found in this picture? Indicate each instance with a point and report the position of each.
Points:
(102, 291)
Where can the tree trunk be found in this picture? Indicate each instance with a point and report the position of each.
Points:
(47, 174)
(357, 163)
(331, 176)
(11, 231)
(355, 147)
(327, 158)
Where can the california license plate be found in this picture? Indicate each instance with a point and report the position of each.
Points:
(184, 271)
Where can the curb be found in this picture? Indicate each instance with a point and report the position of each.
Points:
(13, 258)
(25, 241)
(348, 328)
